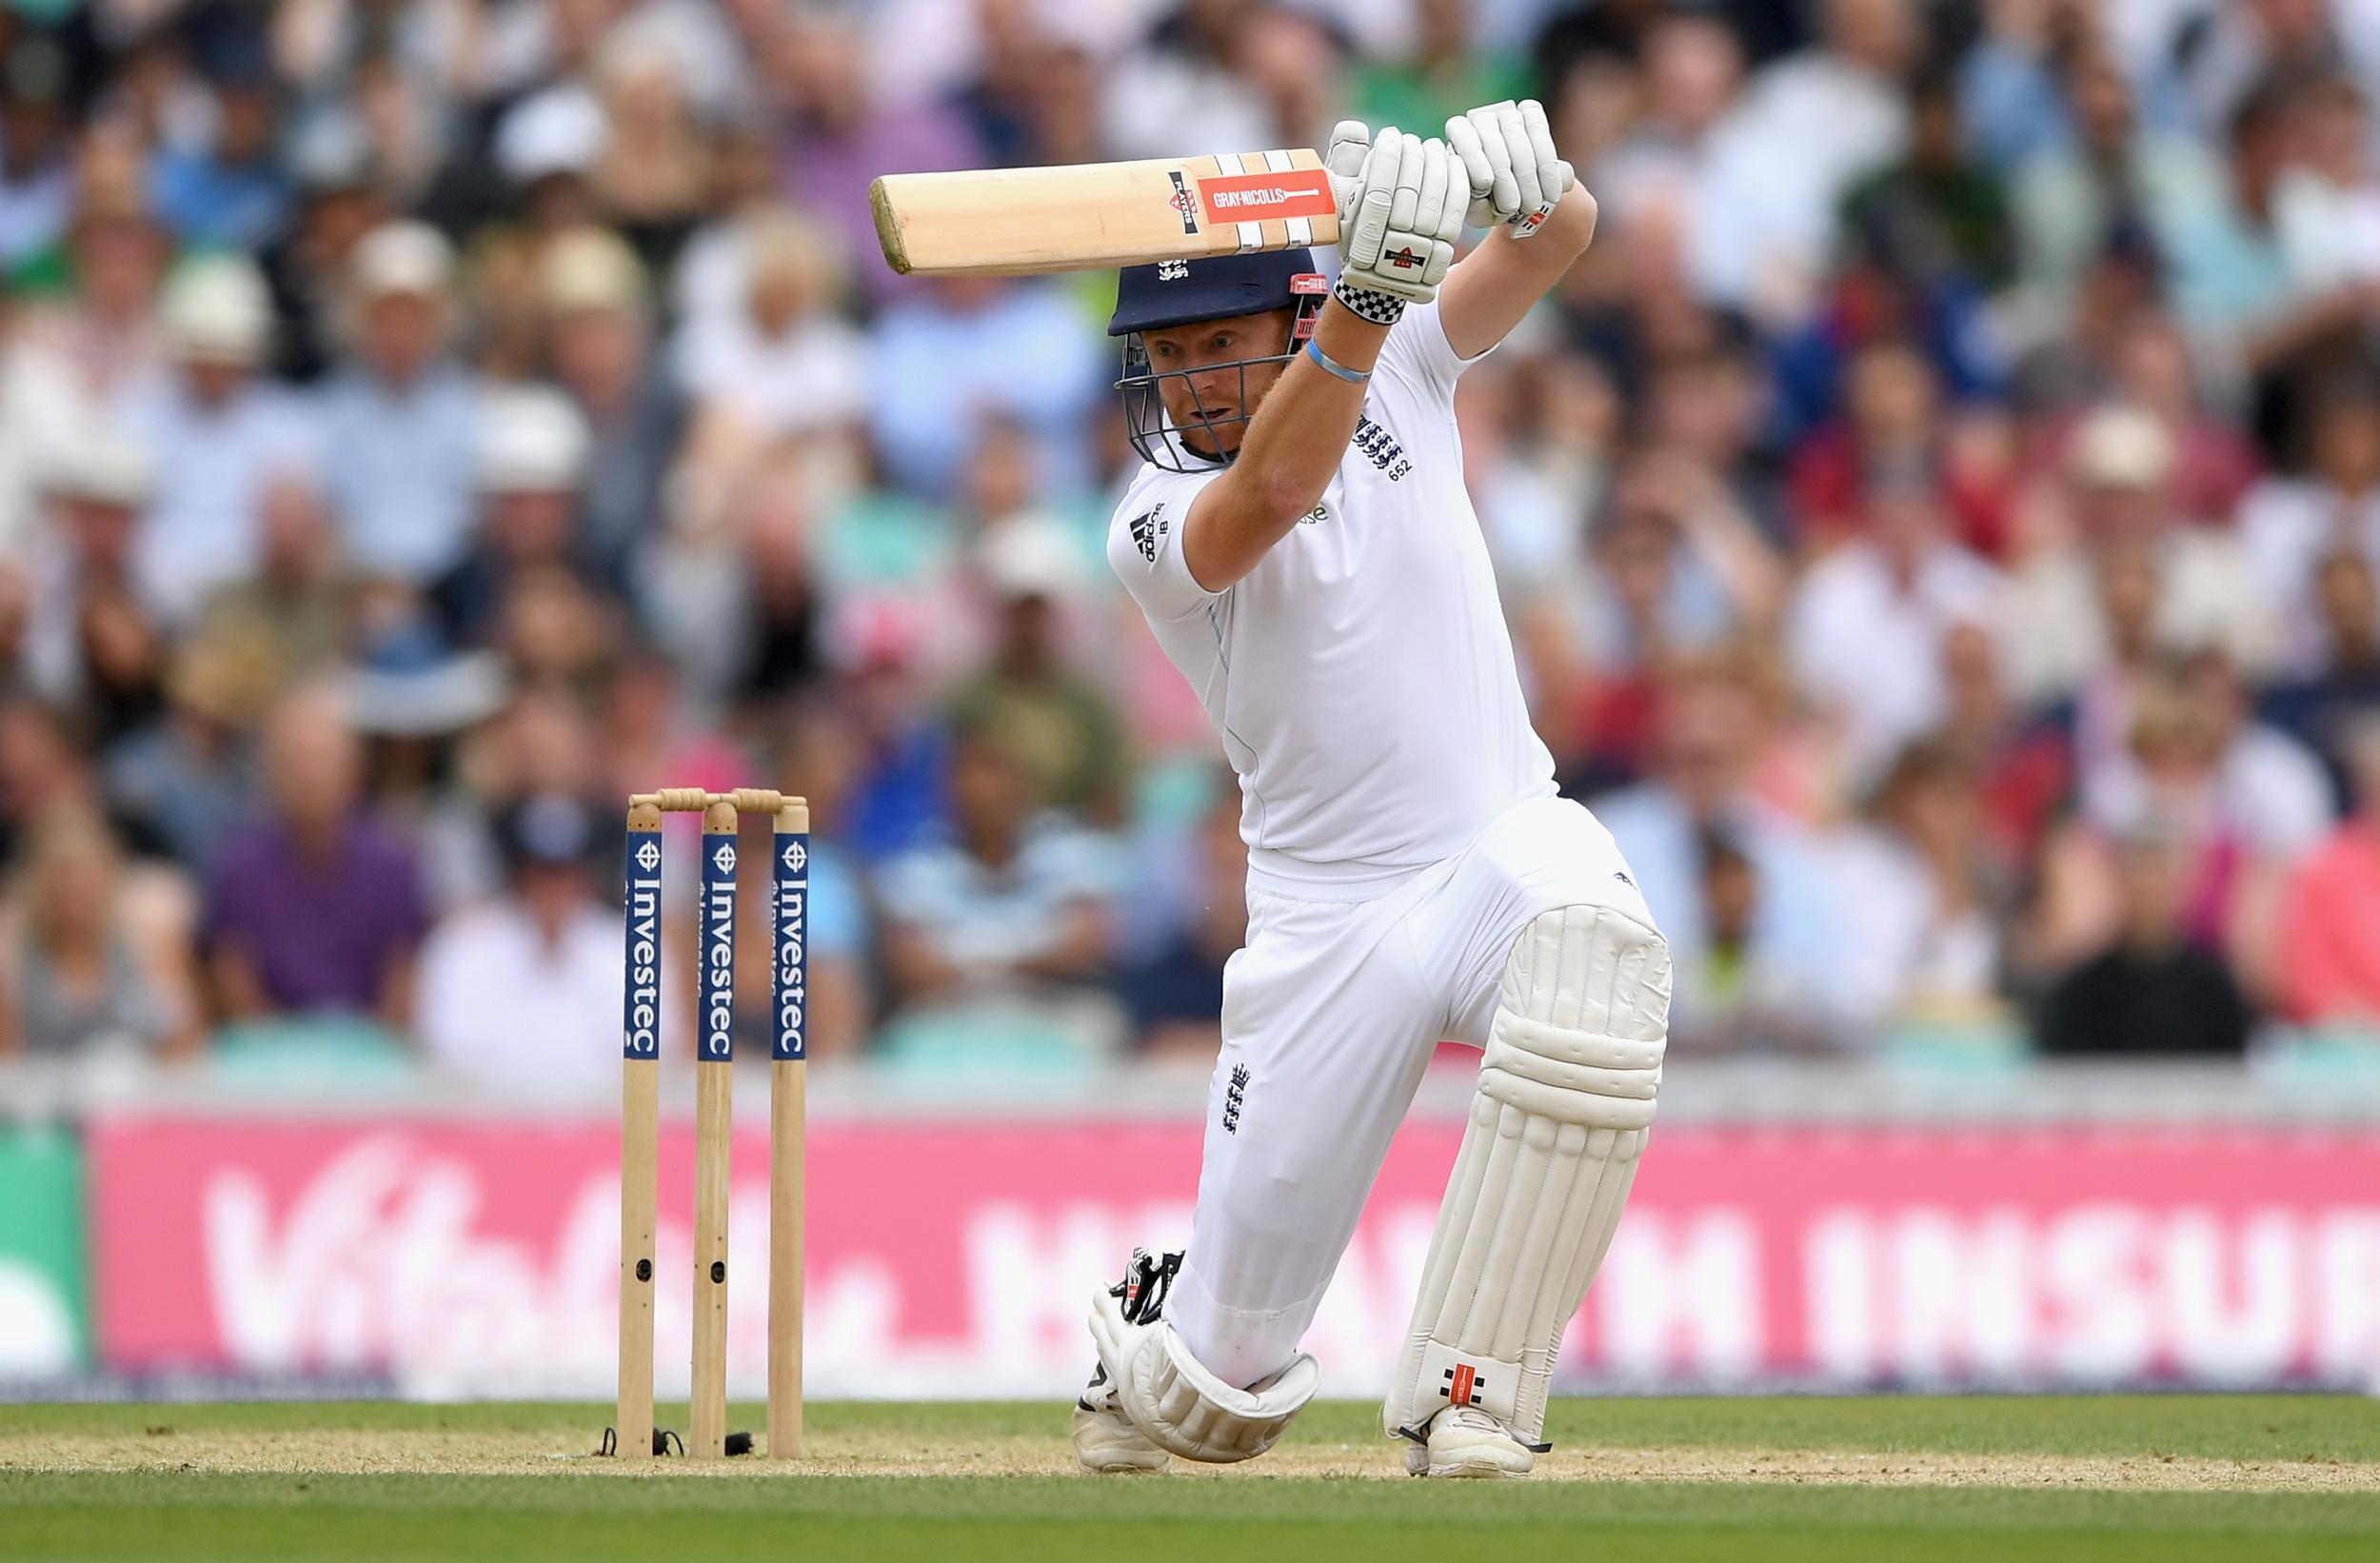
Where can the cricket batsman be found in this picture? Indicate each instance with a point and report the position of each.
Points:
(1302, 542)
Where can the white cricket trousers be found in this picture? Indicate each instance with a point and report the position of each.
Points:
(1330, 1015)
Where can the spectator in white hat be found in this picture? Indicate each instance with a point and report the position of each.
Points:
(398, 416)
(103, 334)
(777, 365)
(599, 335)
(92, 640)
(1063, 726)
(529, 463)
(2073, 601)
(654, 177)
(546, 148)
(779, 358)
(219, 432)
(39, 402)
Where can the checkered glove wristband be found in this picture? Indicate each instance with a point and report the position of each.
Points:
(1379, 308)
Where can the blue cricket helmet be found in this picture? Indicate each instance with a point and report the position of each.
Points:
(1183, 293)
(1180, 292)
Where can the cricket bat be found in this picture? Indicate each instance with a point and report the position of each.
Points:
(1012, 222)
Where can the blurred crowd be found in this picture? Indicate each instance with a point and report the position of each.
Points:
(1938, 519)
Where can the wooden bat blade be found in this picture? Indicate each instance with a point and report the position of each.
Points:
(1014, 222)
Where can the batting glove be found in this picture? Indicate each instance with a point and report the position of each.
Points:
(1406, 217)
(1350, 145)
(1507, 153)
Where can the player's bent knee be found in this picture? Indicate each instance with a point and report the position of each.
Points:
(1584, 1020)
(1181, 1406)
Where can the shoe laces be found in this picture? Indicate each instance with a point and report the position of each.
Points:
(1147, 1278)
(1472, 1419)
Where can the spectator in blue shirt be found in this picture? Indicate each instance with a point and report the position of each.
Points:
(398, 418)
(1009, 904)
(221, 433)
(230, 192)
(974, 345)
(1176, 991)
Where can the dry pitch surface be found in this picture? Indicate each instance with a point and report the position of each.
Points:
(2165, 1476)
(164, 1446)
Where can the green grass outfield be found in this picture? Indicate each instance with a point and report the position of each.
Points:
(1935, 1480)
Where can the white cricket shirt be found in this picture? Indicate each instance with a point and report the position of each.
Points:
(1360, 675)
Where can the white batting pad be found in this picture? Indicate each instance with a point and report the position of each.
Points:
(1183, 1409)
(1566, 1095)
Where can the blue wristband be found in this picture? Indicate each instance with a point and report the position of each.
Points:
(1352, 377)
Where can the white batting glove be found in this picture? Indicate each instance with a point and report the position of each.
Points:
(1405, 220)
(1507, 153)
(1351, 143)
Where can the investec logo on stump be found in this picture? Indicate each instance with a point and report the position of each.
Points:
(718, 1015)
(793, 862)
(644, 1028)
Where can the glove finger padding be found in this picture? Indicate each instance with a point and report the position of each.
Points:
(1462, 139)
(1414, 251)
(1350, 145)
(1362, 247)
(1441, 176)
(1403, 240)
(1449, 213)
(1554, 175)
(1451, 218)
(1450, 224)
(1409, 172)
(1505, 195)
(1515, 134)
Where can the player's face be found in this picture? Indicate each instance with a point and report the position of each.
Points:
(1210, 390)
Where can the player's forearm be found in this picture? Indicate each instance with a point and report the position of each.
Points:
(1294, 443)
(1502, 279)
(1299, 435)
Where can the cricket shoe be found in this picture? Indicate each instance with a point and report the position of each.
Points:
(1466, 1441)
(1105, 1442)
